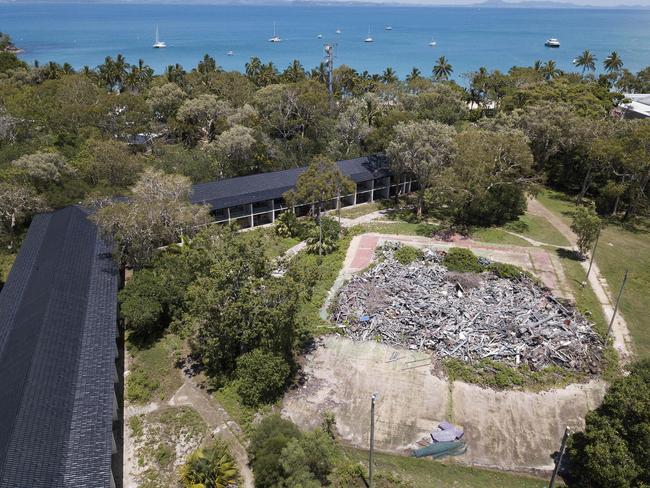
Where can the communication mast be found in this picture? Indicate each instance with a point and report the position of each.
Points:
(329, 55)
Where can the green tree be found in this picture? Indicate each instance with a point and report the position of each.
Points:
(269, 439)
(165, 100)
(210, 467)
(422, 149)
(614, 449)
(203, 117)
(613, 63)
(586, 61)
(389, 76)
(321, 183)
(441, 103)
(442, 69)
(586, 224)
(43, 168)
(261, 377)
(17, 205)
(158, 214)
(308, 460)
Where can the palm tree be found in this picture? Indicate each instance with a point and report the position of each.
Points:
(415, 74)
(207, 65)
(175, 73)
(253, 69)
(294, 72)
(586, 61)
(537, 65)
(550, 70)
(319, 73)
(211, 467)
(389, 76)
(442, 70)
(613, 63)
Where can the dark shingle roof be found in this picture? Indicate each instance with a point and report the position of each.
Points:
(58, 313)
(266, 186)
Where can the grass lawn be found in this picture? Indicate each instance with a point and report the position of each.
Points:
(404, 228)
(426, 473)
(558, 203)
(619, 248)
(539, 229)
(152, 375)
(6, 262)
(494, 235)
(359, 210)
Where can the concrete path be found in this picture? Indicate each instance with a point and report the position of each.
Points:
(542, 263)
(620, 333)
(219, 423)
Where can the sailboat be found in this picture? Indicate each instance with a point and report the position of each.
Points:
(432, 43)
(275, 37)
(369, 38)
(320, 36)
(338, 31)
(159, 44)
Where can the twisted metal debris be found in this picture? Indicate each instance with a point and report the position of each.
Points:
(424, 306)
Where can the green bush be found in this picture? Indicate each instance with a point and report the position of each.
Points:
(267, 442)
(407, 254)
(508, 271)
(261, 377)
(614, 449)
(287, 225)
(462, 260)
(140, 386)
(210, 467)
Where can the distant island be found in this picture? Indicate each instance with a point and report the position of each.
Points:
(402, 3)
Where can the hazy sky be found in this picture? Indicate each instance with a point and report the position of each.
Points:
(599, 3)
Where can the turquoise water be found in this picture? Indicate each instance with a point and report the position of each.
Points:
(469, 37)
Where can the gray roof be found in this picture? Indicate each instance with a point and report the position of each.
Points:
(58, 313)
(267, 186)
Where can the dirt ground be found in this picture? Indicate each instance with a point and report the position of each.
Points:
(508, 430)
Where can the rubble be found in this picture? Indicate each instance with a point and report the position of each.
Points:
(419, 307)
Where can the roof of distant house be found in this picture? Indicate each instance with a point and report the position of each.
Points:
(639, 103)
(58, 313)
(267, 186)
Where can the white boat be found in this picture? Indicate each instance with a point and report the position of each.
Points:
(388, 27)
(369, 38)
(338, 31)
(320, 36)
(275, 37)
(230, 53)
(552, 42)
(433, 43)
(159, 44)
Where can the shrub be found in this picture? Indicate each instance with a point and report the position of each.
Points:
(286, 225)
(140, 386)
(463, 260)
(508, 271)
(261, 377)
(406, 255)
(267, 442)
(614, 449)
(210, 467)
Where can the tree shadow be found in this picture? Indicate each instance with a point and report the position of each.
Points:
(569, 254)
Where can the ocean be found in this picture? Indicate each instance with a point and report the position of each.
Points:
(469, 37)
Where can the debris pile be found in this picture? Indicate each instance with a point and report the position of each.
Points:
(420, 307)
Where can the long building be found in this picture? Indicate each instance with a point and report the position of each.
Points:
(256, 200)
(58, 328)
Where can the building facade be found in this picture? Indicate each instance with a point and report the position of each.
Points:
(255, 200)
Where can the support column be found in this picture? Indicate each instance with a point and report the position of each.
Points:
(356, 187)
(114, 408)
(272, 211)
(372, 190)
(228, 213)
(250, 209)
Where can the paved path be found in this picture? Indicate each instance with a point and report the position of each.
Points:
(541, 262)
(219, 423)
(620, 332)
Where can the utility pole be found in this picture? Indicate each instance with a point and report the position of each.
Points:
(591, 262)
(372, 437)
(329, 55)
(618, 300)
(559, 458)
